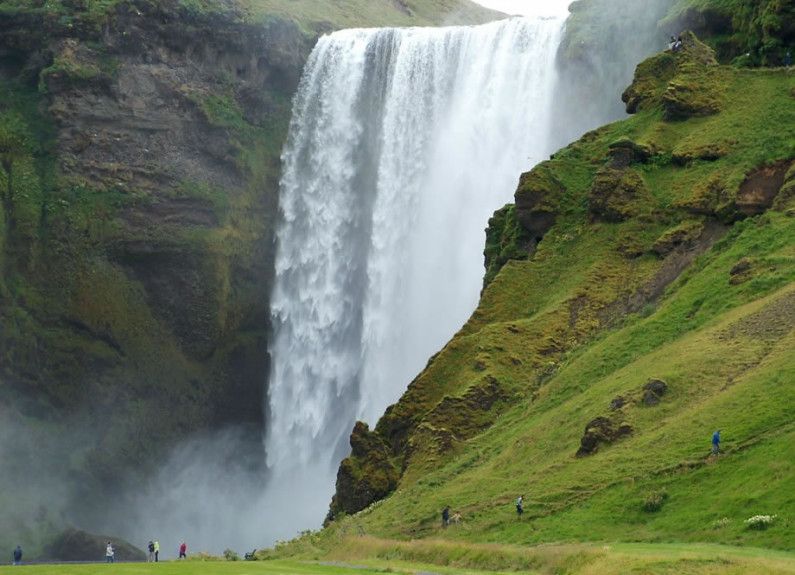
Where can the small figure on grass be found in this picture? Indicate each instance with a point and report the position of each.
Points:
(716, 443)
(110, 553)
(182, 549)
(520, 506)
(457, 517)
(446, 516)
(18, 555)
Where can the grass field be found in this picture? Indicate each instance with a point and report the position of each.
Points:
(368, 555)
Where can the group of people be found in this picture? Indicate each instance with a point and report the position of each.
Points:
(154, 551)
(153, 548)
(110, 552)
(446, 517)
(675, 44)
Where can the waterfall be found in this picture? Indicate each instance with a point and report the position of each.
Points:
(402, 144)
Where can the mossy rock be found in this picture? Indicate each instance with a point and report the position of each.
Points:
(651, 75)
(690, 98)
(538, 199)
(683, 235)
(684, 154)
(625, 151)
(506, 240)
(686, 83)
(705, 197)
(617, 195)
(367, 475)
(600, 431)
(697, 88)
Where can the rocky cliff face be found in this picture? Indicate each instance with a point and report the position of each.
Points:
(140, 178)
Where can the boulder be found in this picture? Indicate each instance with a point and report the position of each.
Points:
(538, 199)
(617, 194)
(654, 389)
(601, 430)
(366, 475)
(81, 546)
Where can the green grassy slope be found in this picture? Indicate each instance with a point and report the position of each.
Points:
(611, 299)
(315, 15)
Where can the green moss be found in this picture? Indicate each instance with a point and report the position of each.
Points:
(617, 195)
(505, 240)
(224, 111)
(684, 235)
(651, 75)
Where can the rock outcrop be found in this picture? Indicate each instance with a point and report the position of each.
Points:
(138, 243)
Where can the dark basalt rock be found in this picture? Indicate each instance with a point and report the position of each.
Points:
(367, 475)
(617, 403)
(538, 200)
(654, 390)
(601, 430)
(80, 546)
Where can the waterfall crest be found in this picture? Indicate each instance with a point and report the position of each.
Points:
(402, 144)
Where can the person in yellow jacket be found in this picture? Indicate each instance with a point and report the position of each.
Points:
(157, 550)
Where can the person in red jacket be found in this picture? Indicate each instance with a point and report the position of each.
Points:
(182, 549)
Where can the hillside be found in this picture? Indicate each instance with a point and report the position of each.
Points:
(640, 296)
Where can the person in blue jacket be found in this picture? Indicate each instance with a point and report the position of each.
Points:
(716, 443)
(18, 555)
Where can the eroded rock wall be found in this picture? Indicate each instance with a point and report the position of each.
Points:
(140, 194)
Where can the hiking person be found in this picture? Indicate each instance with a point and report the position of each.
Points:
(788, 60)
(520, 505)
(182, 549)
(18, 555)
(151, 548)
(157, 550)
(716, 443)
(446, 516)
(457, 517)
(109, 553)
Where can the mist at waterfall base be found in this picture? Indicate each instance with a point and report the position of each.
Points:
(401, 146)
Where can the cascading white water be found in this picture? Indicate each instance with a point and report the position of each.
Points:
(402, 144)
